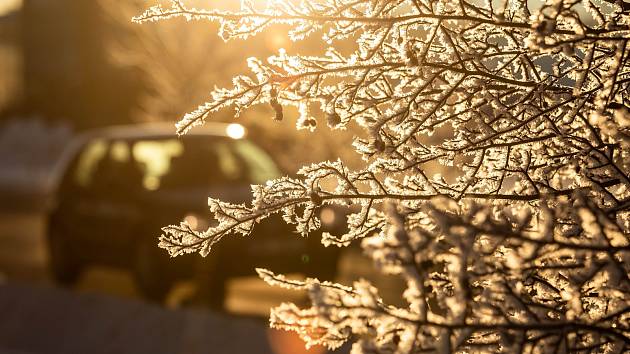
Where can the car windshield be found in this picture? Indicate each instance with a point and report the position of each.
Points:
(171, 163)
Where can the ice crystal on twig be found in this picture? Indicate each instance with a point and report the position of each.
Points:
(522, 245)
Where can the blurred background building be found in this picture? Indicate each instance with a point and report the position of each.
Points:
(59, 66)
(84, 64)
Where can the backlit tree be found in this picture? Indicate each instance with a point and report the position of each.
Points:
(524, 245)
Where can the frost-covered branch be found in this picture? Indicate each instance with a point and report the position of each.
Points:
(481, 278)
(520, 242)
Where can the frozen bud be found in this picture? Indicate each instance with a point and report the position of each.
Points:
(278, 109)
(378, 145)
(400, 235)
(568, 50)
(225, 36)
(333, 119)
(315, 197)
(615, 105)
(545, 27)
(412, 60)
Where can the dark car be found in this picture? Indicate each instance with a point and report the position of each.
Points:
(118, 186)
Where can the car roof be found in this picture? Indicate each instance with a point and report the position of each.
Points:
(153, 130)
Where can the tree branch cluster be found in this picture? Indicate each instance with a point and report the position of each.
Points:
(523, 245)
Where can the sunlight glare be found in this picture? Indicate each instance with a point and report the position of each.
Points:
(8, 6)
(235, 131)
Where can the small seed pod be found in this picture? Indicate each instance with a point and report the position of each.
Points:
(426, 264)
(378, 145)
(333, 119)
(278, 109)
(279, 116)
(568, 50)
(615, 105)
(412, 59)
(315, 197)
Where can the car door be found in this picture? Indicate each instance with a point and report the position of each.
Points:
(98, 201)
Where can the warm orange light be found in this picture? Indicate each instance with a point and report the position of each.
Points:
(7, 6)
(327, 216)
(283, 342)
(277, 39)
(192, 221)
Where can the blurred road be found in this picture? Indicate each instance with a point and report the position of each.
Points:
(44, 320)
(35, 310)
(24, 258)
(22, 254)
(104, 313)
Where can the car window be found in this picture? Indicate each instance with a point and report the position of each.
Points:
(87, 162)
(202, 163)
(151, 164)
(106, 167)
(261, 167)
(156, 157)
(118, 172)
(229, 164)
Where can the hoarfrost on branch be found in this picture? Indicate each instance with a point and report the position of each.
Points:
(525, 245)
